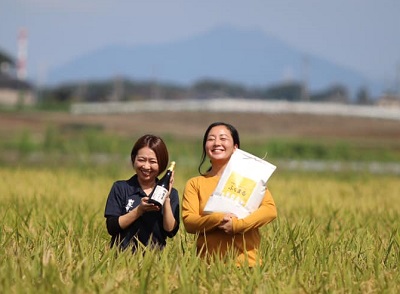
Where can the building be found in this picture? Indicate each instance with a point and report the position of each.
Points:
(13, 91)
(389, 100)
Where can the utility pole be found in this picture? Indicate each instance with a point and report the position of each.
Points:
(22, 54)
(305, 72)
(154, 89)
(118, 91)
(397, 80)
(22, 47)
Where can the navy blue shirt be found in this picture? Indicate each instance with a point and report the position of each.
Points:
(124, 196)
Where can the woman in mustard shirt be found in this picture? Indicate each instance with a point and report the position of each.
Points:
(220, 233)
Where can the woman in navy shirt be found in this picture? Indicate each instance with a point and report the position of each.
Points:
(130, 218)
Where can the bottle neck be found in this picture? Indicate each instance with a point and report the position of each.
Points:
(171, 166)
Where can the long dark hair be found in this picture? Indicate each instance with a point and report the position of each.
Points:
(156, 144)
(234, 134)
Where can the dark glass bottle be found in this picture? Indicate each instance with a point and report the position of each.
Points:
(160, 191)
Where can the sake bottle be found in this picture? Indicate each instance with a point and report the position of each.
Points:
(160, 191)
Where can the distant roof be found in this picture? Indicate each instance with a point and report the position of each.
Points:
(5, 58)
(12, 83)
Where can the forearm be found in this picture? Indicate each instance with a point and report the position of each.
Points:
(264, 214)
(198, 224)
(260, 217)
(127, 219)
(169, 221)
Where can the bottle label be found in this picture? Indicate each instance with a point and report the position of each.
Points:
(159, 194)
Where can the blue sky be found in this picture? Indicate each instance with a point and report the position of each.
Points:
(363, 35)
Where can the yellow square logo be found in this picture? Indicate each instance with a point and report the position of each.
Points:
(239, 187)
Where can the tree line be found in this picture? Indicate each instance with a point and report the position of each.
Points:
(120, 89)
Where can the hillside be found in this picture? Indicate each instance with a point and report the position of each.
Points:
(248, 57)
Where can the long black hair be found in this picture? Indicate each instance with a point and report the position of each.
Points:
(234, 134)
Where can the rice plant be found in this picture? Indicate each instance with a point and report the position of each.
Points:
(335, 233)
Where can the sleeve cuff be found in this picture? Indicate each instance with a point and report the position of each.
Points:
(113, 227)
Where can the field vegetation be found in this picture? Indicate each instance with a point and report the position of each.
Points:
(336, 232)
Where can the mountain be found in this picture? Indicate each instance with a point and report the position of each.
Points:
(248, 57)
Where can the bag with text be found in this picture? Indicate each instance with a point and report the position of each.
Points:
(242, 185)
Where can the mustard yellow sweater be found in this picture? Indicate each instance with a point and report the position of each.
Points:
(211, 240)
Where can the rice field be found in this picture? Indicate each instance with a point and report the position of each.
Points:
(337, 230)
(335, 233)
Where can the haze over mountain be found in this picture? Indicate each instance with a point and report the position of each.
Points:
(248, 57)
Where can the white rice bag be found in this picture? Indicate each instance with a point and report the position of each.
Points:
(242, 185)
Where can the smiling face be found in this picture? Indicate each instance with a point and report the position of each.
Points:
(146, 165)
(219, 145)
